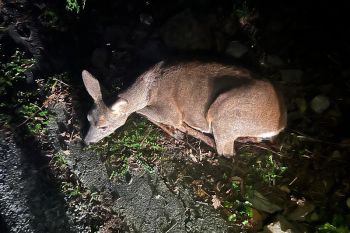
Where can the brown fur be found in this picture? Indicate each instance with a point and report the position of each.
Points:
(196, 98)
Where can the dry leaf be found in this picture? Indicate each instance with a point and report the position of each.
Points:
(216, 202)
(66, 152)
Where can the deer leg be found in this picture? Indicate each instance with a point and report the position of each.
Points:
(225, 147)
(249, 139)
(224, 139)
(179, 133)
(197, 134)
(169, 130)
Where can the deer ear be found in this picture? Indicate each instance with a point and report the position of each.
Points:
(92, 86)
(119, 105)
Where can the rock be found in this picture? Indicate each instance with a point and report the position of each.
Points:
(272, 61)
(320, 103)
(231, 25)
(292, 75)
(99, 58)
(236, 49)
(282, 225)
(336, 155)
(314, 217)
(285, 188)
(302, 104)
(183, 31)
(300, 213)
(146, 19)
(260, 202)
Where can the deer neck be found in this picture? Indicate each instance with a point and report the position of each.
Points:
(138, 94)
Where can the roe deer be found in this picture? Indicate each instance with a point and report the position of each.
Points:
(198, 98)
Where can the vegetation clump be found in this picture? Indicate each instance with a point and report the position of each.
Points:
(137, 145)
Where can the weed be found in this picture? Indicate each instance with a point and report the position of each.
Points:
(74, 5)
(70, 190)
(37, 118)
(239, 210)
(138, 144)
(268, 169)
(242, 10)
(338, 225)
(95, 197)
(232, 218)
(329, 228)
(12, 72)
(59, 160)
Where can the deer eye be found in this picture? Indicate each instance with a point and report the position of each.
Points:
(103, 127)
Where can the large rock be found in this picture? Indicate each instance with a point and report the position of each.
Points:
(262, 203)
(282, 225)
(320, 103)
(236, 49)
(301, 211)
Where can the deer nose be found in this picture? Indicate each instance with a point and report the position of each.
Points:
(86, 140)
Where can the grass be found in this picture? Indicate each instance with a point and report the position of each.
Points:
(59, 160)
(268, 169)
(238, 209)
(71, 190)
(137, 144)
(338, 225)
(12, 72)
(37, 118)
(75, 5)
(22, 104)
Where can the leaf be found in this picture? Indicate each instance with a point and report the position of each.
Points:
(216, 202)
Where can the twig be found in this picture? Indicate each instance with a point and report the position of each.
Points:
(40, 108)
(171, 228)
(261, 147)
(149, 130)
(292, 182)
(305, 137)
(61, 82)
(192, 147)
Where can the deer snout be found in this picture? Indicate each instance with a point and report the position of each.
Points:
(90, 138)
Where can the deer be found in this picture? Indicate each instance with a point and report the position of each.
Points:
(211, 101)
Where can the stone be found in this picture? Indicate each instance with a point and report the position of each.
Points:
(272, 61)
(236, 49)
(146, 19)
(300, 213)
(320, 103)
(260, 202)
(282, 225)
(291, 75)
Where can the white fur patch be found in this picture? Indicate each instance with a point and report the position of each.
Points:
(267, 134)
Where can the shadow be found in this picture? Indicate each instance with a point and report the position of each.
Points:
(41, 193)
(3, 227)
